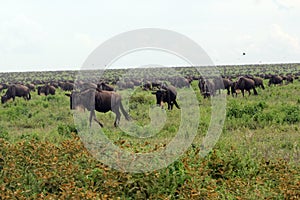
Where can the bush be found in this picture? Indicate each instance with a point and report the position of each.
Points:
(236, 110)
(66, 130)
(292, 114)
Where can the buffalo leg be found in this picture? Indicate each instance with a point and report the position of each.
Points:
(176, 104)
(93, 115)
(254, 90)
(171, 106)
(118, 116)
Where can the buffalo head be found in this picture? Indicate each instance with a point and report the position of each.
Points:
(4, 99)
(82, 100)
(73, 99)
(166, 94)
(160, 96)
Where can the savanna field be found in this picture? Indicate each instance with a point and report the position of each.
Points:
(256, 157)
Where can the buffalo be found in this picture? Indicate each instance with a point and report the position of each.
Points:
(288, 79)
(222, 83)
(156, 84)
(179, 82)
(247, 84)
(99, 100)
(257, 81)
(30, 86)
(46, 89)
(207, 87)
(233, 90)
(16, 90)
(85, 85)
(166, 94)
(66, 86)
(275, 79)
(3, 86)
(146, 85)
(105, 86)
(227, 85)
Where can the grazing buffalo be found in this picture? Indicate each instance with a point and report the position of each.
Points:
(179, 82)
(275, 79)
(66, 86)
(121, 85)
(30, 86)
(146, 85)
(257, 81)
(105, 86)
(16, 90)
(99, 100)
(207, 87)
(247, 84)
(166, 94)
(233, 90)
(227, 85)
(3, 86)
(221, 84)
(85, 85)
(129, 84)
(288, 79)
(155, 84)
(46, 89)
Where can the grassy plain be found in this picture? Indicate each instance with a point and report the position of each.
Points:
(257, 155)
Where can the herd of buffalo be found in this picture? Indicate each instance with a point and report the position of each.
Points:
(102, 96)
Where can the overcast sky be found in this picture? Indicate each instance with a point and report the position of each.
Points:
(58, 35)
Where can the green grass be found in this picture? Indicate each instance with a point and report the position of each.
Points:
(257, 155)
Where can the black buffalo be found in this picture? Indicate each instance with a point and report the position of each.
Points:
(99, 100)
(275, 79)
(2, 87)
(30, 86)
(105, 86)
(233, 88)
(166, 94)
(257, 81)
(207, 87)
(16, 90)
(66, 86)
(85, 85)
(288, 79)
(247, 84)
(46, 89)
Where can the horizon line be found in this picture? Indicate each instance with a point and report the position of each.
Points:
(171, 66)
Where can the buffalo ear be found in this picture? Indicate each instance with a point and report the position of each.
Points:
(68, 95)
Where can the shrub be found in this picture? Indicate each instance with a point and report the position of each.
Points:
(66, 130)
(236, 110)
(292, 114)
